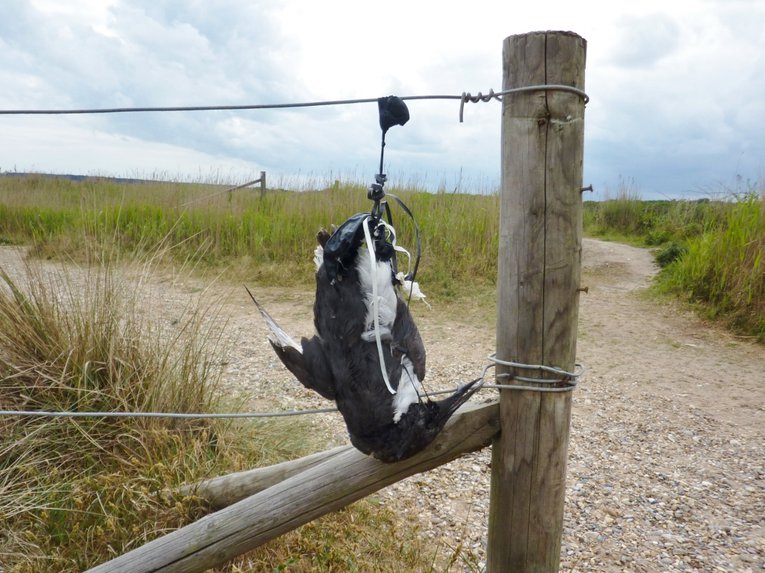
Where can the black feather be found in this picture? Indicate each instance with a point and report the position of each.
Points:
(343, 366)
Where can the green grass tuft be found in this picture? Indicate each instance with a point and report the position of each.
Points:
(76, 490)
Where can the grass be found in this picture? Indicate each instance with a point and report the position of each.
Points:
(77, 492)
(77, 489)
(269, 238)
(710, 251)
(723, 271)
(626, 217)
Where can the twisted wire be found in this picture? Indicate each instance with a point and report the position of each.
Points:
(465, 97)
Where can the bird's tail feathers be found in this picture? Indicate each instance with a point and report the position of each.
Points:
(279, 337)
(451, 404)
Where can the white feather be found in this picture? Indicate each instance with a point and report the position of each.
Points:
(278, 335)
(412, 289)
(408, 391)
(386, 295)
(318, 257)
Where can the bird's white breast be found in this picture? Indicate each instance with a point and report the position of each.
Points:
(379, 276)
(408, 391)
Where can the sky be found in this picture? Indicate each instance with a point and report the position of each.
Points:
(677, 90)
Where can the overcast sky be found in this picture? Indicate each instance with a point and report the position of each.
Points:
(677, 89)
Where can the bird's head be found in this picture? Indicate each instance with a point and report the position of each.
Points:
(421, 423)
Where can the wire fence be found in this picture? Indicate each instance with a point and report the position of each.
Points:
(464, 97)
(563, 382)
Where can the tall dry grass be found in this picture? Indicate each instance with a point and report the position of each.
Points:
(75, 492)
(268, 237)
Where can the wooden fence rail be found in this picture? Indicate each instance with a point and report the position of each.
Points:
(342, 477)
(225, 490)
(261, 180)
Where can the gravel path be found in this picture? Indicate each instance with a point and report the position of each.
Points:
(666, 466)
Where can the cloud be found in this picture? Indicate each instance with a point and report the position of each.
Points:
(677, 113)
(54, 145)
(645, 40)
(675, 89)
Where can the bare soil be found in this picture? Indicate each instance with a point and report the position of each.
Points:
(666, 466)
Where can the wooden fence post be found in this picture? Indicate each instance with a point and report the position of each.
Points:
(537, 298)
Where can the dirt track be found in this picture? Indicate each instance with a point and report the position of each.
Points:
(666, 462)
(666, 469)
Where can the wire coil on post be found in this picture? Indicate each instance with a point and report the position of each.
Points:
(479, 97)
(565, 382)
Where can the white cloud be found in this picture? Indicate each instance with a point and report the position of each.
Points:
(55, 145)
(646, 40)
(675, 87)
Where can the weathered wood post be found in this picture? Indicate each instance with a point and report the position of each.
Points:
(262, 184)
(537, 299)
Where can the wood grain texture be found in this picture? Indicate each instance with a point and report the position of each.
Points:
(336, 481)
(225, 490)
(537, 298)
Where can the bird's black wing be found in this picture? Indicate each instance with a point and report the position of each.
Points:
(318, 367)
(339, 312)
(407, 339)
(307, 362)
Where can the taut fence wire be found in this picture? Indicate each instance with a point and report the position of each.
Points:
(465, 97)
(566, 383)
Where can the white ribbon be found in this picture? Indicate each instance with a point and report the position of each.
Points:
(375, 304)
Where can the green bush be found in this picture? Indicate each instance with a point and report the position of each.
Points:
(670, 252)
(723, 269)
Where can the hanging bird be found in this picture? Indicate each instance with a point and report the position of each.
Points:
(367, 354)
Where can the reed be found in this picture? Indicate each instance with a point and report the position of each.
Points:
(268, 237)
